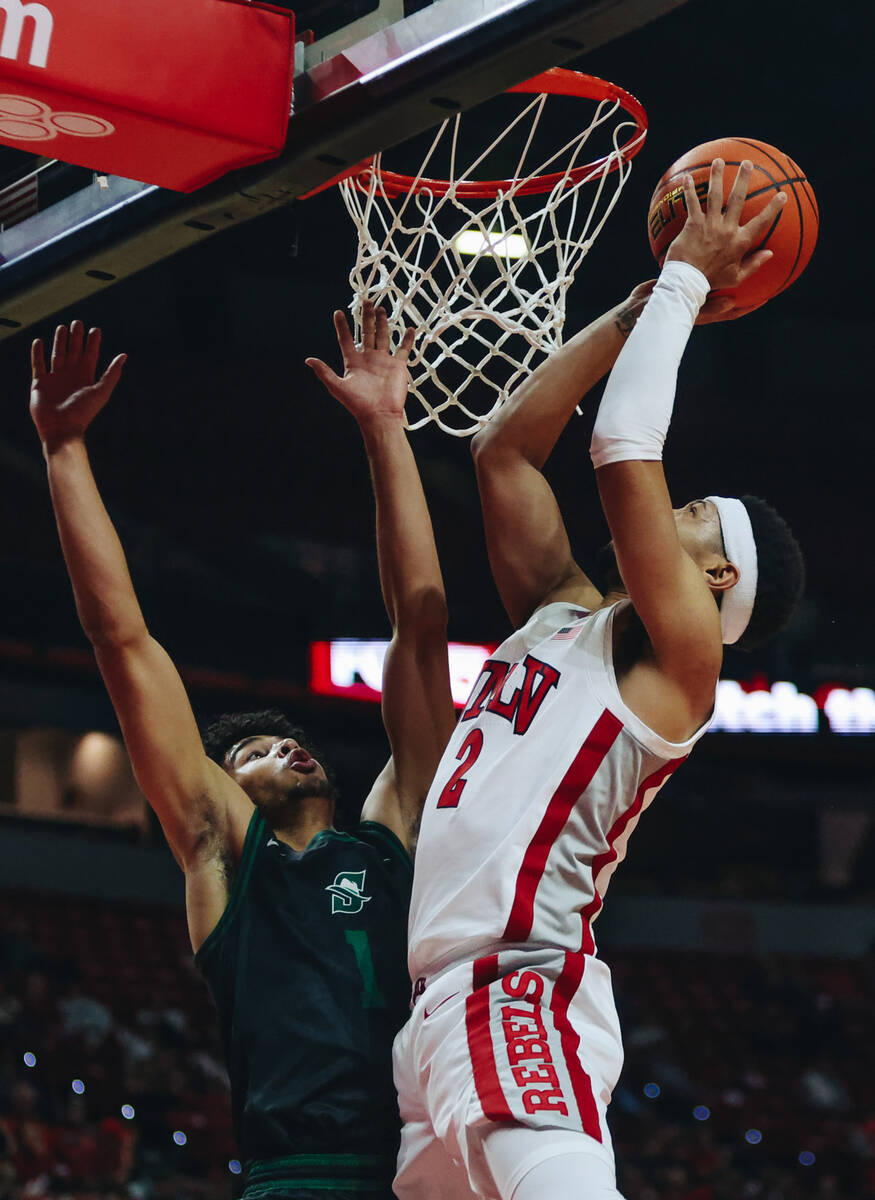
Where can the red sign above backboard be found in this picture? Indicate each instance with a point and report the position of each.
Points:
(353, 667)
(176, 92)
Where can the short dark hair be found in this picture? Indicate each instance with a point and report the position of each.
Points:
(780, 574)
(221, 733)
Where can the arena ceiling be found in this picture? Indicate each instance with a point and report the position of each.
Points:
(241, 489)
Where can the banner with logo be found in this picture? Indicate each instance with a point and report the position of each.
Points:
(173, 92)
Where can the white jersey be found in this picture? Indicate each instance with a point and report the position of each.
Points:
(535, 798)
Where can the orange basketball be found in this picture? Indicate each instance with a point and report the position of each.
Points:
(791, 238)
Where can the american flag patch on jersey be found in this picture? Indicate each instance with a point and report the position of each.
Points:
(567, 632)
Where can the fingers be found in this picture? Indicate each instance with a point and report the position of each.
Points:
(38, 359)
(91, 350)
(75, 341)
(59, 348)
(694, 208)
(112, 374)
(375, 334)
(324, 373)
(382, 336)
(69, 348)
(344, 337)
(738, 193)
(751, 263)
(375, 331)
(369, 325)
(404, 349)
(715, 190)
(757, 226)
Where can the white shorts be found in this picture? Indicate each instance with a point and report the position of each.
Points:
(493, 1043)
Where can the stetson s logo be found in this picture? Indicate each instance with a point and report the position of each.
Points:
(348, 892)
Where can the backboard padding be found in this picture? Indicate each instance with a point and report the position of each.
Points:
(390, 86)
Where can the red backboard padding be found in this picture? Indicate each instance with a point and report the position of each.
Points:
(172, 92)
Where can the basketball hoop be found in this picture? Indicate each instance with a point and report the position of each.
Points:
(482, 278)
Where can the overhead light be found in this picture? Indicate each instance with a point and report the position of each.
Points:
(474, 242)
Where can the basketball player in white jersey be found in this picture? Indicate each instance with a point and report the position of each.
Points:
(507, 1064)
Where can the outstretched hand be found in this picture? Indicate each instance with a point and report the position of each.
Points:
(65, 399)
(714, 240)
(374, 380)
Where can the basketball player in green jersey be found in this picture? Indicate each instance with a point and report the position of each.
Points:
(299, 930)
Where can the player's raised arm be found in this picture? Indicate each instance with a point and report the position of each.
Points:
(190, 795)
(417, 703)
(528, 546)
(673, 588)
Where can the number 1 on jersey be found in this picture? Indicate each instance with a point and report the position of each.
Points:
(469, 752)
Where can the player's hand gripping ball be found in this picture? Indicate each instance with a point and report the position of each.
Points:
(791, 237)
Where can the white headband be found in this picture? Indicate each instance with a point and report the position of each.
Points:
(741, 550)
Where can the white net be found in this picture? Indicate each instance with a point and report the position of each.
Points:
(483, 280)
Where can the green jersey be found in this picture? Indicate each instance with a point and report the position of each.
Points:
(308, 969)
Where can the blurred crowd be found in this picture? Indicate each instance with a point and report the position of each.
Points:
(98, 1100)
(744, 1077)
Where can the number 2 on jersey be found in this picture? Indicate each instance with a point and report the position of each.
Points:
(469, 752)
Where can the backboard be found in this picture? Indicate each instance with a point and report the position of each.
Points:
(369, 85)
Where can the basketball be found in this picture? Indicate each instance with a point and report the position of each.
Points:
(791, 238)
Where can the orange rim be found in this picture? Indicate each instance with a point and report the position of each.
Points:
(558, 81)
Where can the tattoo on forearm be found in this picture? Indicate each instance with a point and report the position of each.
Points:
(625, 321)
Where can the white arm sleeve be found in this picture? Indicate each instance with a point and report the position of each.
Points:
(636, 408)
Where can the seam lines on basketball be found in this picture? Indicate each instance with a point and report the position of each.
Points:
(762, 150)
(812, 200)
(774, 185)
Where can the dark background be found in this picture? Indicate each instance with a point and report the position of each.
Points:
(241, 493)
(241, 489)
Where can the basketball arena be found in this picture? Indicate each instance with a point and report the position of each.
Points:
(390, 423)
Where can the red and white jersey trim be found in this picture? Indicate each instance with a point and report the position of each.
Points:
(574, 783)
(536, 797)
(525, 1062)
(604, 865)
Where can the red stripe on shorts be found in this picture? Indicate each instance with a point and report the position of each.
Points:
(576, 779)
(564, 990)
(492, 1101)
(588, 914)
